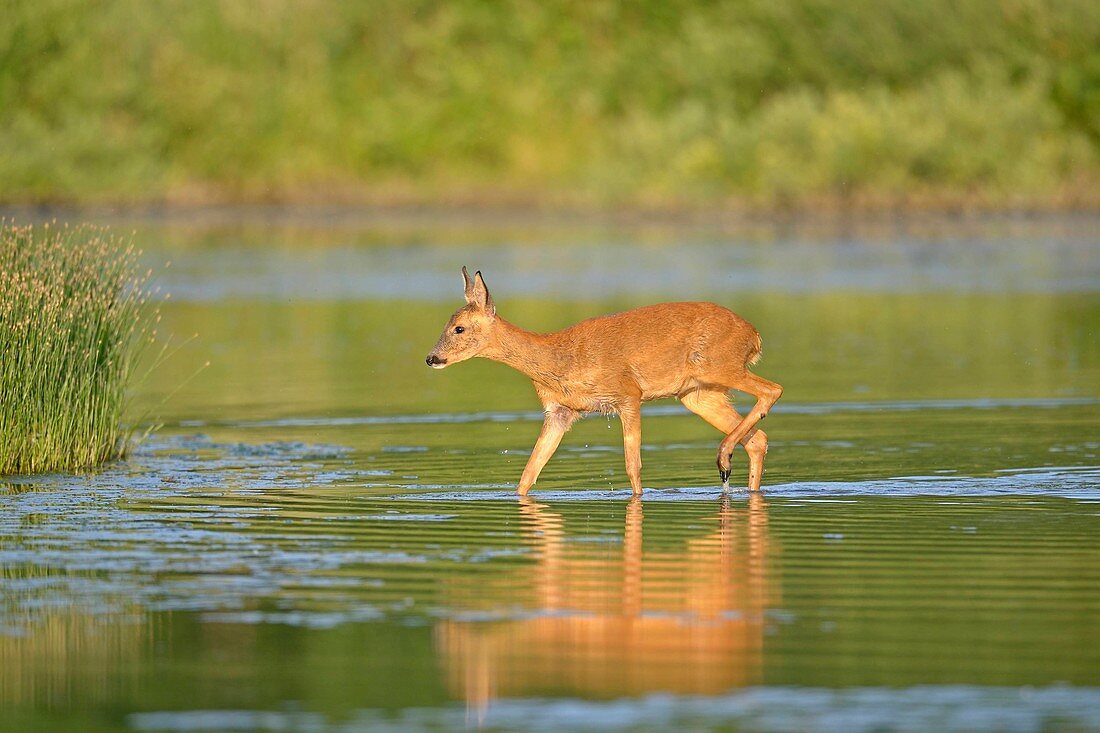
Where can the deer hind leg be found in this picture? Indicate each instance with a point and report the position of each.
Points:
(766, 394)
(715, 408)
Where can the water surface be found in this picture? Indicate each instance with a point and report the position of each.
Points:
(322, 537)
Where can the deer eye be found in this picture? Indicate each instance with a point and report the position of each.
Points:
(459, 329)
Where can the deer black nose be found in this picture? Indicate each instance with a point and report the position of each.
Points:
(432, 360)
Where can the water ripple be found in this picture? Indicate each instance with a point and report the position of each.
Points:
(811, 408)
(1073, 482)
(761, 709)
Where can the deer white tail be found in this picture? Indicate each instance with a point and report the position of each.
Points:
(757, 352)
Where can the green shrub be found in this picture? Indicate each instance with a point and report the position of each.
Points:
(771, 101)
(74, 319)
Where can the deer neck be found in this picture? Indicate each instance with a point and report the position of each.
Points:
(534, 354)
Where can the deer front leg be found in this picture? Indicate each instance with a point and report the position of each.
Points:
(631, 418)
(557, 421)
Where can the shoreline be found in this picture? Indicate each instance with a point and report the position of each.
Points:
(342, 213)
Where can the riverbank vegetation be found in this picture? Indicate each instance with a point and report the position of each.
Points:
(765, 103)
(74, 318)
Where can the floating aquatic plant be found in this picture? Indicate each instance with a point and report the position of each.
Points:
(75, 319)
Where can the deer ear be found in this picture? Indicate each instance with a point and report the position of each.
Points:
(479, 296)
(467, 285)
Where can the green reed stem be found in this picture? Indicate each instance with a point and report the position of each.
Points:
(75, 318)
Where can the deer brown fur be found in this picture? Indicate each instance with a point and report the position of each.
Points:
(696, 352)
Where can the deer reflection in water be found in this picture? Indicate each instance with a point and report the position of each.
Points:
(603, 623)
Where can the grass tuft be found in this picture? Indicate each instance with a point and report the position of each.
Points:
(75, 318)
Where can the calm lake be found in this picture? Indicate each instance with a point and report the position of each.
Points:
(323, 535)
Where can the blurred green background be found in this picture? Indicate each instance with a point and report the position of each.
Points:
(766, 103)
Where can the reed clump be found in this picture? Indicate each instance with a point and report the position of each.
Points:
(75, 317)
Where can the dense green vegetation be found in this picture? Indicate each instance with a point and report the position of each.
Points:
(73, 319)
(774, 102)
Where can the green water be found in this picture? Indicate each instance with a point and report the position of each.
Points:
(322, 537)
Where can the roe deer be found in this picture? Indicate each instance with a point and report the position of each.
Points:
(694, 351)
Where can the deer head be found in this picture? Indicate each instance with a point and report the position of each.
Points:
(468, 331)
